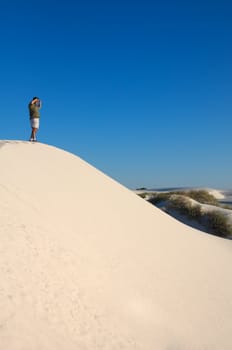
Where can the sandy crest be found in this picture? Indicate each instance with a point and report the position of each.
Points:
(216, 193)
(87, 264)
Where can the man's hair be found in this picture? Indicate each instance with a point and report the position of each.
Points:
(35, 98)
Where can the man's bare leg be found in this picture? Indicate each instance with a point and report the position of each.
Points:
(33, 134)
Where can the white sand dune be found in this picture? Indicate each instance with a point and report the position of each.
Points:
(216, 193)
(86, 264)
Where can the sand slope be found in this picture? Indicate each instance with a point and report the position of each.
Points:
(87, 264)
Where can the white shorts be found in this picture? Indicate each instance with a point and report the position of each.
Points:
(34, 123)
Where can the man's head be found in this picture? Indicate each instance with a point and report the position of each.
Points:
(35, 98)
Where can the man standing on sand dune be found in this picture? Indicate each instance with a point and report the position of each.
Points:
(34, 107)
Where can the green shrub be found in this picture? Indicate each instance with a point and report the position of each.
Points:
(143, 195)
(185, 207)
(180, 203)
(195, 212)
(159, 197)
(202, 196)
(219, 224)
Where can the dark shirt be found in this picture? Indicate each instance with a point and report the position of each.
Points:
(34, 110)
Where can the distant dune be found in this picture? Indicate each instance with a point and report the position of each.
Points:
(225, 195)
(88, 265)
(216, 207)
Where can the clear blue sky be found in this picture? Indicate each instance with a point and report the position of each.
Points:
(139, 89)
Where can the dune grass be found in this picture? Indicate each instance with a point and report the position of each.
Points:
(200, 196)
(214, 222)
